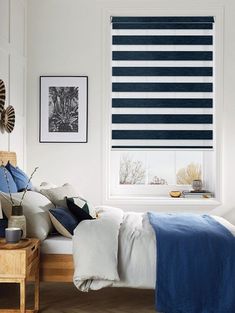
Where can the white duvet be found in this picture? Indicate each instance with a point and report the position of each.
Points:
(118, 249)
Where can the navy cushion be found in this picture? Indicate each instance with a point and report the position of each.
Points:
(3, 181)
(20, 178)
(63, 221)
(80, 213)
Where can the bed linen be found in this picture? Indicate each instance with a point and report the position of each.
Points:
(106, 250)
(198, 252)
(118, 249)
(56, 244)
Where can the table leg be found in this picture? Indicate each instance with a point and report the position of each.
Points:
(36, 291)
(22, 296)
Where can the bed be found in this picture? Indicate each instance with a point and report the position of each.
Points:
(56, 257)
(56, 253)
(56, 260)
(119, 249)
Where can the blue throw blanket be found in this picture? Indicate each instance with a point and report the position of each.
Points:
(195, 264)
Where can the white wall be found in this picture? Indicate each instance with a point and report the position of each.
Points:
(62, 41)
(65, 37)
(13, 72)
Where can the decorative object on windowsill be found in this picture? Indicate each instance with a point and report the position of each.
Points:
(197, 184)
(193, 194)
(8, 119)
(17, 219)
(175, 193)
(2, 95)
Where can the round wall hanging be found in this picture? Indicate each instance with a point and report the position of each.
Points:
(2, 95)
(8, 118)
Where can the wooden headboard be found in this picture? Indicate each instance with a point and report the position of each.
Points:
(6, 156)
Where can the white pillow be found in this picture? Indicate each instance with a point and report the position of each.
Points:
(57, 195)
(35, 209)
(44, 185)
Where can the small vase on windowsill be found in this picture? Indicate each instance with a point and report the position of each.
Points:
(17, 219)
(197, 185)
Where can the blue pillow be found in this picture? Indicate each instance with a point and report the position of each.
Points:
(3, 181)
(63, 221)
(20, 178)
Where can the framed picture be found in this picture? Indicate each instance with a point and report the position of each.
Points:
(63, 108)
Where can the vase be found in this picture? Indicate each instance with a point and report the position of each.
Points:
(197, 185)
(17, 219)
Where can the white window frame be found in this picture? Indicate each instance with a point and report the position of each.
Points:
(110, 199)
(148, 190)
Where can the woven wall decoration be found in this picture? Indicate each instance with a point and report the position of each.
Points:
(2, 95)
(7, 116)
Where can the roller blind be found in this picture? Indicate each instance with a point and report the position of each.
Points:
(162, 82)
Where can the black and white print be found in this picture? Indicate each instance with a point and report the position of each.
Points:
(63, 109)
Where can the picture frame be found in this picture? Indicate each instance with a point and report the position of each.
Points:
(63, 109)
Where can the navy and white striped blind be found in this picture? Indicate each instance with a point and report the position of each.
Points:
(162, 82)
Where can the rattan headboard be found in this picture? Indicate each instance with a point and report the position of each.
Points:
(6, 156)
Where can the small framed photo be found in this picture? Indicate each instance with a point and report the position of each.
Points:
(63, 108)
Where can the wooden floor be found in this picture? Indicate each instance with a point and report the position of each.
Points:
(65, 298)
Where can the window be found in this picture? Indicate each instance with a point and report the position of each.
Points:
(155, 173)
(162, 103)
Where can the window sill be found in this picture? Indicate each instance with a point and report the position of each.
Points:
(167, 201)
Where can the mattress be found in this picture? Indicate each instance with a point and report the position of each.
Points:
(61, 245)
(57, 245)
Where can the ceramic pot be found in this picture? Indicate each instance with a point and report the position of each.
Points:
(197, 185)
(17, 219)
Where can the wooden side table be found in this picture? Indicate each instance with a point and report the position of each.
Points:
(18, 265)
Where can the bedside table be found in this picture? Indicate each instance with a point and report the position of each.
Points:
(18, 266)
